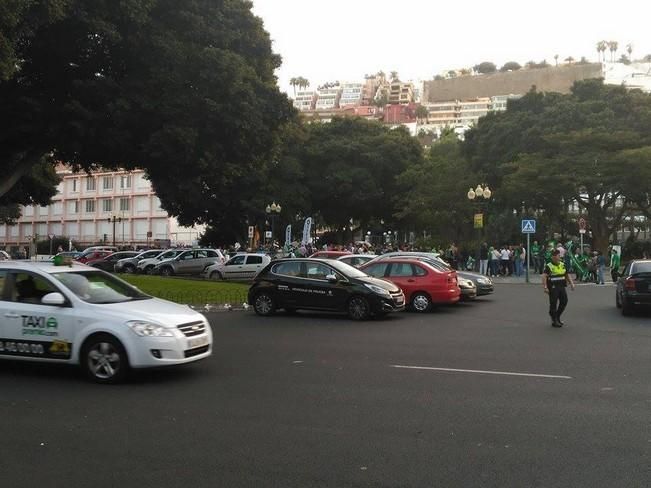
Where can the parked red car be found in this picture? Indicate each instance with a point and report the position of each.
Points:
(422, 284)
(92, 256)
(329, 254)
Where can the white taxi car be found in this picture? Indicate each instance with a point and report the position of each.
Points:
(81, 315)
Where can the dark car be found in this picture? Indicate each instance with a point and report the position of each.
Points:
(634, 286)
(107, 263)
(322, 284)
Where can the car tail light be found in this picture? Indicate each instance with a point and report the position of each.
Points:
(452, 278)
(629, 284)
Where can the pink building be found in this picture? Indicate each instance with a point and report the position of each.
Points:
(400, 114)
(85, 205)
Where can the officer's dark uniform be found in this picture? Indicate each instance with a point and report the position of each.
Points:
(556, 282)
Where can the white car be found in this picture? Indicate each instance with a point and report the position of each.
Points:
(81, 315)
(240, 267)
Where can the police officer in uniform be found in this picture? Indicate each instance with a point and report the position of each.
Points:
(554, 280)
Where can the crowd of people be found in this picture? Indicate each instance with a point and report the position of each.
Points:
(492, 261)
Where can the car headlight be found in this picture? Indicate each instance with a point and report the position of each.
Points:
(377, 289)
(148, 329)
(484, 281)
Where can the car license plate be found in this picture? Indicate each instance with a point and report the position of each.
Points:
(198, 342)
(400, 300)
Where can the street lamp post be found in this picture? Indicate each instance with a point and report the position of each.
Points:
(114, 220)
(273, 211)
(479, 196)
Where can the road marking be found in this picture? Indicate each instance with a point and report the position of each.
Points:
(503, 373)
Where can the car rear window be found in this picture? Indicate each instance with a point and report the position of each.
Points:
(643, 267)
(254, 260)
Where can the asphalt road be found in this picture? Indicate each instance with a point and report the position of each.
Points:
(315, 401)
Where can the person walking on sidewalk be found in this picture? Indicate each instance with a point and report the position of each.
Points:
(483, 259)
(601, 268)
(554, 280)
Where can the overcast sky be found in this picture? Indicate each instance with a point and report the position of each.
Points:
(345, 39)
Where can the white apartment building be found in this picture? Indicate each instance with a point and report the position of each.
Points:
(305, 100)
(328, 98)
(634, 75)
(461, 115)
(498, 102)
(351, 94)
(84, 206)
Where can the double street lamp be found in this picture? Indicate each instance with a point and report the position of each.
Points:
(273, 211)
(479, 196)
(115, 220)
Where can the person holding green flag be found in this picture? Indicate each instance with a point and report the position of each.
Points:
(615, 262)
(535, 251)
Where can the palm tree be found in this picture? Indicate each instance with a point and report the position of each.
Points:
(569, 60)
(293, 83)
(556, 59)
(601, 49)
(629, 50)
(302, 82)
(394, 76)
(612, 46)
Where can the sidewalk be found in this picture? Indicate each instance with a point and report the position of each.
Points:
(535, 279)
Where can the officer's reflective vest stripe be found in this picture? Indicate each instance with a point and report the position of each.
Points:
(557, 271)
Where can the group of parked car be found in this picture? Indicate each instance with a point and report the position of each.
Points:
(363, 285)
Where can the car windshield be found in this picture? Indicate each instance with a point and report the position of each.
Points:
(347, 269)
(168, 255)
(98, 287)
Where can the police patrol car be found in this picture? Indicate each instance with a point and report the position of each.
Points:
(73, 313)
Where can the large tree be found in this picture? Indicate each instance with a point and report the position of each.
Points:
(592, 147)
(182, 88)
(350, 168)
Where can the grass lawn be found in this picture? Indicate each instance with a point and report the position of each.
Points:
(193, 292)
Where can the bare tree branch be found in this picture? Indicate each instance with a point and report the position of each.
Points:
(24, 165)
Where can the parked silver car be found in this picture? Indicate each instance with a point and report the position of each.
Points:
(128, 265)
(145, 266)
(192, 261)
(240, 267)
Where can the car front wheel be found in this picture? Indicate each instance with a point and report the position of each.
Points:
(104, 360)
(216, 275)
(167, 271)
(128, 268)
(264, 304)
(359, 308)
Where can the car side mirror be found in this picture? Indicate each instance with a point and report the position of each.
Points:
(54, 298)
(331, 278)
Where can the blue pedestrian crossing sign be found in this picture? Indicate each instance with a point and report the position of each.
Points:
(529, 226)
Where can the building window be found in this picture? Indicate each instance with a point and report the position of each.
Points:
(74, 185)
(107, 205)
(124, 204)
(90, 184)
(107, 183)
(125, 181)
(90, 206)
